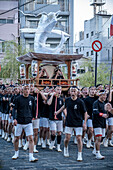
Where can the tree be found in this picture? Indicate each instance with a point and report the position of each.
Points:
(88, 79)
(10, 66)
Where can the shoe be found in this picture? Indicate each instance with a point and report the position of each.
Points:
(32, 159)
(48, 143)
(5, 137)
(94, 152)
(26, 146)
(101, 143)
(3, 134)
(110, 143)
(88, 144)
(16, 155)
(8, 139)
(66, 153)
(79, 157)
(51, 146)
(23, 142)
(12, 139)
(58, 148)
(91, 146)
(99, 156)
(35, 150)
(20, 143)
(75, 140)
(105, 142)
(44, 144)
(39, 142)
(84, 142)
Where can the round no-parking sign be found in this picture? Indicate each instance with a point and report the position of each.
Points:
(97, 46)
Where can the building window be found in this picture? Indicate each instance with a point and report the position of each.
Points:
(6, 21)
(52, 1)
(87, 35)
(10, 21)
(33, 24)
(2, 21)
(30, 6)
(87, 54)
(92, 33)
(2, 47)
(77, 51)
(80, 71)
(40, 1)
(62, 25)
(83, 48)
(92, 52)
(31, 45)
(80, 49)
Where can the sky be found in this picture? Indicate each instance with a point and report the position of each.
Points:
(83, 11)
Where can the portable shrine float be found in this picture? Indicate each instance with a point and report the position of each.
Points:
(37, 60)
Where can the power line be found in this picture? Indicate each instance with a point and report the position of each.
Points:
(26, 14)
(16, 7)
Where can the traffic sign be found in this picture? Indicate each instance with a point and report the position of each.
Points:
(97, 46)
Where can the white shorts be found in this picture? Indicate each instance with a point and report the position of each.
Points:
(110, 121)
(10, 120)
(0, 114)
(106, 121)
(3, 116)
(45, 122)
(35, 123)
(41, 121)
(78, 130)
(89, 123)
(6, 116)
(56, 125)
(99, 132)
(27, 128)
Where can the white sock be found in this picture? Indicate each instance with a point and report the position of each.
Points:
(0, 131)
(97, 152)
(27, 142)
(23, 140)
(17, 153)
(34, 147)
(41, 140)
(65, 147)
(12, 135)
(80, 153)
(30, 155)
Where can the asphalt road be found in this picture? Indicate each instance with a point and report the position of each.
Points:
(53, 160)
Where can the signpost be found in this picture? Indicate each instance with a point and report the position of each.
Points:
(96, 46)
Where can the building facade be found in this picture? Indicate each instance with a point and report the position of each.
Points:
(8, 24)
(97, 28)
(66, 23)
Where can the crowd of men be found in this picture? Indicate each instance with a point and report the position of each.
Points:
(27, 113)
